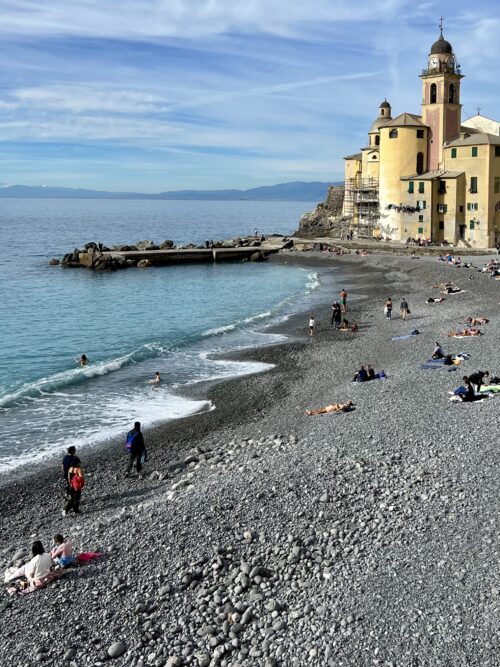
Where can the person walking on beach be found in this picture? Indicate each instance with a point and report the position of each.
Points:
(311, 325)
(336, 314)
(67, 462)
(388, 308)
(135, 447)
(76, 481)
(343, 300)
(403, 308)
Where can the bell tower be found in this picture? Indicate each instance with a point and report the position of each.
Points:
(441, 108)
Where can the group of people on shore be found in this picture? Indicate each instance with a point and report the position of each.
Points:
(404, 309)
(43, 566)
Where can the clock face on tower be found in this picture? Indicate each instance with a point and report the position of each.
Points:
(433, 62)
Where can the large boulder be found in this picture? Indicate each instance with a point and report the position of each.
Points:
(144, 264)
(146, 245)
(166, 244)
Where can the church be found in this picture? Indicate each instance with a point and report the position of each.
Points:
(428, 176)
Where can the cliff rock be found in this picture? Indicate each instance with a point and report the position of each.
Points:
(326, 219)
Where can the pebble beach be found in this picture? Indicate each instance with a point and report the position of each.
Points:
(264, 537)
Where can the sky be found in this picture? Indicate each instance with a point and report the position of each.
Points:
(155, 95)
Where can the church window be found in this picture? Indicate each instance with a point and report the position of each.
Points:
(420, 163)
(421, 185)
(411, 186)
(377, 140)
(433, 93)
(420, 134)
(497, 185)
(451, 93)
(497, 151)
(393, 134)
(473, 184)
(453, 152)
(474, 151)
(374, 157)
(441, 224)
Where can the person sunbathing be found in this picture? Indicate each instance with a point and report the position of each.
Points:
(334, 407)
(465, 333)
(451, 290)
(476, 321)
(435, 299)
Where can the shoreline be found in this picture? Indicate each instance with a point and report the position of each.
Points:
(256, 465)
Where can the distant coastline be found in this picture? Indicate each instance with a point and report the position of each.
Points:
(294, 191)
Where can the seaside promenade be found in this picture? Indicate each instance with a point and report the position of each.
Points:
(262, 536)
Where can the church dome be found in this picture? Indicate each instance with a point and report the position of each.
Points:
(441, 46)
(385, 105)
(378, 123)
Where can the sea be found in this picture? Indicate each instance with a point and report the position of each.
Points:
(130, 323)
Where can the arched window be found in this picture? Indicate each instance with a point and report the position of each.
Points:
(393, 134)
(451, 93)
(377, 140)
(420, 163)
(433, 93)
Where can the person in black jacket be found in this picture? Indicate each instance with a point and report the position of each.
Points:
(478, 378)
(136, 448)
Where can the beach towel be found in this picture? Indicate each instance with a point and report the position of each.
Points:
(87, 556)
(413, 333)
(490, 388)
(450, 335)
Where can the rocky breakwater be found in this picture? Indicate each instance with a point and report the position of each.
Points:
(147, 253)
(326, 219)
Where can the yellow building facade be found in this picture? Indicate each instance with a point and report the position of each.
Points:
(428, 176)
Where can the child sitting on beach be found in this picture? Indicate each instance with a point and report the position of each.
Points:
(62, 551)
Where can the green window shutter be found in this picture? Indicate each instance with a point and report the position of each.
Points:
(474, 151)
(421, 187)
(471, 224)
(468, 206)
(411, 185)
(453, 152)
(420, 230)
(424, 204)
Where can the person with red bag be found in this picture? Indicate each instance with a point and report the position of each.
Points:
(76, 482)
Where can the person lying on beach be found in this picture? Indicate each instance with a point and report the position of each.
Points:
(83, 361)
(469, 394)
(465, 333)
(334, 407)
(435, 299)
(451, 290)
(438, 352)
(156, 379)
(62, 551)
(37, 572)
(476, 321)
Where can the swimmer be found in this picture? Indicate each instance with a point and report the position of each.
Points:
(83, 361)
(156, 379)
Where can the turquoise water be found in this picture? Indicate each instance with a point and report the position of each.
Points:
(129, 324)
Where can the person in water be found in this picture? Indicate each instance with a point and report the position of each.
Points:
(156, 379)
(83, 361)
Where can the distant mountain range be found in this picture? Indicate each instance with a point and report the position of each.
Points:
(296, 191)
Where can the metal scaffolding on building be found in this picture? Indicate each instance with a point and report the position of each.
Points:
(361, 203)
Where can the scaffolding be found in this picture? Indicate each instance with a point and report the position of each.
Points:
(361, 203)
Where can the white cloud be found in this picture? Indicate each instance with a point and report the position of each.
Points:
(156, 19)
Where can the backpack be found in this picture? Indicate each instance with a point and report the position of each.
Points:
(77, 482)
(129, 443)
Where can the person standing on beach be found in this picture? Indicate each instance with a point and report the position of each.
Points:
(343, 300)
(311, 325)
(135, 447)
(336, 314)
(67, 462)
(388, 308)
(76, 482)
(403, 308)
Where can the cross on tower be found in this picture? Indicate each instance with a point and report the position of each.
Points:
(441, 19)
(479, 111)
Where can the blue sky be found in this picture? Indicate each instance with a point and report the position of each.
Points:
(157, 95)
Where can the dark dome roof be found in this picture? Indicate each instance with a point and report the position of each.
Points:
(385, 105)
(441, 46)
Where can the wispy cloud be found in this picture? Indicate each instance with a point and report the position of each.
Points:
(206, 92)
